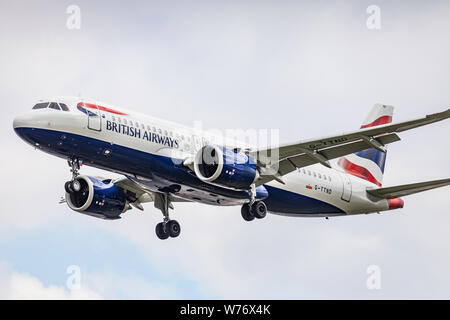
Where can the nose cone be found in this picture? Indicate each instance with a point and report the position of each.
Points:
(23, 121)
(24, 124)
(27, 120)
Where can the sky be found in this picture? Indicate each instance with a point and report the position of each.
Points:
(306, 68)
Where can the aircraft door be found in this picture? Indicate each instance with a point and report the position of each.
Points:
(94, 119)
(346, 188)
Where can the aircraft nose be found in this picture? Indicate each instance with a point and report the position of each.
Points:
(23, 121)
(24, 125)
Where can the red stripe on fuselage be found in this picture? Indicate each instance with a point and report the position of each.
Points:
(357, 171)
(380, 121)
(93, 106)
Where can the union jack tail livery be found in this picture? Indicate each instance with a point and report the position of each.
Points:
(369, 164)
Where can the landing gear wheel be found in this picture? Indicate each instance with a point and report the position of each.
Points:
(72, 186)
(259, 210)
(246, 213)
(173, 228)
(161, 231)
(75, 185)
(68, 187)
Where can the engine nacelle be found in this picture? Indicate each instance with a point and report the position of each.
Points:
(225, 167)
(97, 198)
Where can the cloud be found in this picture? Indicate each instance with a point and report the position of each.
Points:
(99, 285)
(112, 285)
(17, 285)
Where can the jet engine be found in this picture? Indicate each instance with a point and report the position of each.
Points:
(94, 197)
(225, 167)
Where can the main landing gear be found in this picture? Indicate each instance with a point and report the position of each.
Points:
(256, 210)
(253, 209)
(167, 228)
(73, 185)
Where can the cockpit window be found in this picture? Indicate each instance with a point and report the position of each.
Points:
(54, 105)
(42, 105)
(64, 107)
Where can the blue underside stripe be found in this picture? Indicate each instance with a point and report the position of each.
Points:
(162, 170)
(290, 202)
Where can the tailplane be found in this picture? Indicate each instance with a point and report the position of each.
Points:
(369, 164)
(407, 189)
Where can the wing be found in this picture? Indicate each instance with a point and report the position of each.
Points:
(273, 163)
(137, 193)
(407, 189)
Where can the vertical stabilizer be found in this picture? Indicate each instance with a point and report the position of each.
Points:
(369, 164)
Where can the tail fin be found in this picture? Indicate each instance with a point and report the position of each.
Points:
(369, 164)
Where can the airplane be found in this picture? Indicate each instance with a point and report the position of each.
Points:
(163, 162)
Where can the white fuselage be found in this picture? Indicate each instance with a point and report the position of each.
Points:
(137, 134)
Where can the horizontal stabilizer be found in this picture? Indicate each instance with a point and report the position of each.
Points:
(407, 189)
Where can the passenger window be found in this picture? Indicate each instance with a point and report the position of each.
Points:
(136, 124)
(315, 176)
(54, 105)
(309, 172)
(64, 107)
(159, 131)
(304, 171)
(125, 121)
(154, 129)
(113, 118)
(120, 120)
(320, 176)
(41, 105)
(148, 128)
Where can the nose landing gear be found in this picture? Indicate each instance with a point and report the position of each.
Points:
(73, 185)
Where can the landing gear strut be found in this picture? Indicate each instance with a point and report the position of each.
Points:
(73, 185)
(167, 228)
